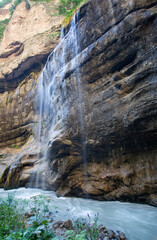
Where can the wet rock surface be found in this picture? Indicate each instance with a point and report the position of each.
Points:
(29, 38)
(107, 149)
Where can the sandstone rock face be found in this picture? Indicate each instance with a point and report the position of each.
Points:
(103, 98)
(28, 39)
(4, 12)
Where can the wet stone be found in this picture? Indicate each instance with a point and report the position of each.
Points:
(122, 236)
(111, 233)
(68, 224)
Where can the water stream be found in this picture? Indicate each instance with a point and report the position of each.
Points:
(137, 221)
(52, 101)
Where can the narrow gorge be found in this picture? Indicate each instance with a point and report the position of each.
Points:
(78, 115)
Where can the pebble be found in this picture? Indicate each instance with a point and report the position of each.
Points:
(122, 236)
(106, 238)
(111, 233)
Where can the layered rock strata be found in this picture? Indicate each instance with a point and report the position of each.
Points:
(107, 90)
(29, 38)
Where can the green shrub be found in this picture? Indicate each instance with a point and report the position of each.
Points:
(10, 217)
(16, 224)
(27, 5)
(13, 6)
(2, 28)
(4, 2)
(3, 25)
(84, 230)
(67, 7)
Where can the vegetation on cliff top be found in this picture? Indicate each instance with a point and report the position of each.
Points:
(4, 2)
(14, 4)
(68, 8)
(65, 7)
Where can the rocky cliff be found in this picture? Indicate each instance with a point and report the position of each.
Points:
(107, 149)
(29, 38)
(102, 126)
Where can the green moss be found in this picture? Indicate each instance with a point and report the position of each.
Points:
(53, 35)
(30, 76)
(14, 146)
(9, 97)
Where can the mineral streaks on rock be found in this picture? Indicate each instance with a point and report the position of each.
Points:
(17, 113)
(117, 67)
(29, 38)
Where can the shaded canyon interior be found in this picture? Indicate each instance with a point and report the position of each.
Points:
(85, 125)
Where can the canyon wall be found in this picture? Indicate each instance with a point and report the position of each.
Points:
(29, 38)
(106, 98)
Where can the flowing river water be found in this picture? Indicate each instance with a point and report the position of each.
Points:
(137, 221)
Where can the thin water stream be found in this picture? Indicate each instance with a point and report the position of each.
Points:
(137, 221)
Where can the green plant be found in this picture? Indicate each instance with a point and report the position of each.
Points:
(13, 6)
(11, 218)
(3, 25)
(41, 1)
(15, 225)
(92, 228)
(67, 7)
(14, 146)
(72, 235)
(38, 222)
(84, 230)
(4, 2)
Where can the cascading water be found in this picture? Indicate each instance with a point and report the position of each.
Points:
(80, 110)
(52, 104)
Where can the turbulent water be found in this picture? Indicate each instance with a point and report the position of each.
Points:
(137, 221)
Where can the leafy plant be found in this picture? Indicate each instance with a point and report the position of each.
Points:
(72, 235)
(3, 25)
(41, 1)
(84, 230)
(10, 217)
(27, 5)
(4, 2)
(13, 224)
(13, 6)
(67, 7)
(16, 224)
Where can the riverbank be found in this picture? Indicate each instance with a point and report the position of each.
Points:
(137, 221)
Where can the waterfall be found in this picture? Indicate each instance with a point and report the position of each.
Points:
(81, 114)
(52, 100)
